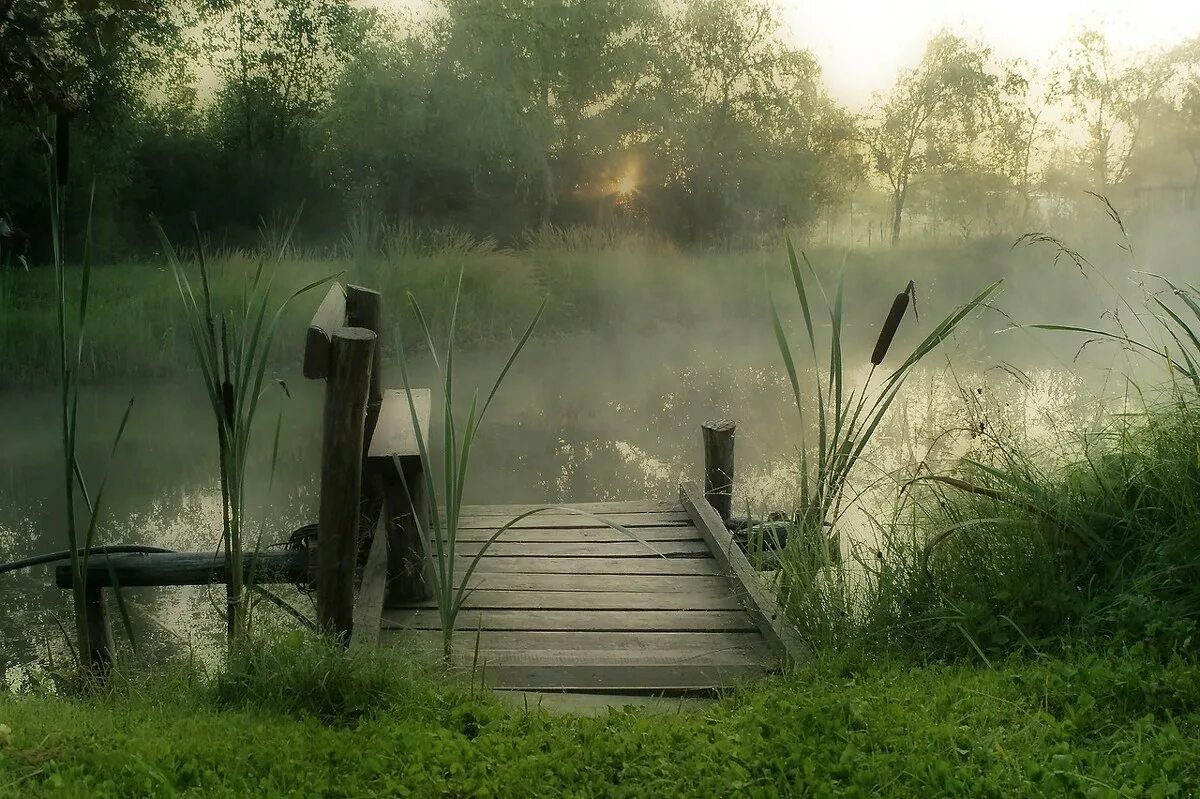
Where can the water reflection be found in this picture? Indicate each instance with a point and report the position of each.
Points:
(580, 419)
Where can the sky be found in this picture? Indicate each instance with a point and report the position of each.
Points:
(863, 44)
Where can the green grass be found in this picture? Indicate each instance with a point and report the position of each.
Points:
(136, 329)
(1084, 725)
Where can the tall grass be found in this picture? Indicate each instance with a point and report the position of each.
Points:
(1016, 549)
(440, 538)
(847, 418)
(72, 316)
(232, 349)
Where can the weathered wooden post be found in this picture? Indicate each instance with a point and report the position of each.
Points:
(364, 308)
(718, 465)
(346, 392)
(100, 639)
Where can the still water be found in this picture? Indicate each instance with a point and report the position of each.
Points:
(584, 417)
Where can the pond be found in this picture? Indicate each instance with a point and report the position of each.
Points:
(580, 418)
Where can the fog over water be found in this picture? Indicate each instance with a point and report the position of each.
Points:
(605, 415)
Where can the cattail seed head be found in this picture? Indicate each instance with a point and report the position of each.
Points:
(891, 324)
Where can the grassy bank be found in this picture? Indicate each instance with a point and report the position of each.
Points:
(1124, 724)
(593, 285)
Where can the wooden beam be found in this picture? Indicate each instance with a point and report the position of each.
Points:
(364, 308)
(187, 568)
(579, 535)
(551, 520)
(341, 478)
(759, 601)
(617, 566)
(620, 549)
(405, 512)
(633, 506)
(330, 317)
(487, 599)
(700, 621)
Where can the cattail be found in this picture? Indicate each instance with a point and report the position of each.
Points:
(899, 306)
(62, 148)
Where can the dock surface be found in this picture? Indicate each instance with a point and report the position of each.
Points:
(563, 603)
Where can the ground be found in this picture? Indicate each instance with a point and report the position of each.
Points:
(1081, 725)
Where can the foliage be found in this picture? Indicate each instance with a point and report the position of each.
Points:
(72, 316)
(440, 537)
(847, 419)
(933, 116)
(1089, 724)
(232, 349)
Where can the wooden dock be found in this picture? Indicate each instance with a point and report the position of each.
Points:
(561, 604)
(564, 603)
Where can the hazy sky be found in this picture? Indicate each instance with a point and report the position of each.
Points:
(861, 44)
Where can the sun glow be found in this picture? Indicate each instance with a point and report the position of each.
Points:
(625, 184)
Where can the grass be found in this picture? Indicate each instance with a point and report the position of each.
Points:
(809, 577)
(1087, 724)
(232, 347)
(1020, 550)
(594, 286)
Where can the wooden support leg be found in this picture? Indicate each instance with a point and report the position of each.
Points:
(408, 564)
(100, 638)
(718, 466)
(341, 478)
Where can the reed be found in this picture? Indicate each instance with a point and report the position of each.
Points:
(440, 537)
(72, 316)
(847, 418)
(232, 347)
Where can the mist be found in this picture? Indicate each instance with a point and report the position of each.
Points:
(639, 164)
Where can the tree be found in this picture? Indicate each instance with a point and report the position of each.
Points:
(277, 61)
(742, 133)
(933, 116)
(1110, 100)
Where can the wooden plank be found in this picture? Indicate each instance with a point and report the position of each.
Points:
(483, 599)
(572, 641)
(628, 549)
(760, 602)
(551, 658)
(701, 621)
(674, 679)
(188, 568)
(368, 606)
(330, 316)
(643, 583)
(590, 704)
(583, 534)
(591, 565)
(561, 520)
(394, 434)
(601, 508)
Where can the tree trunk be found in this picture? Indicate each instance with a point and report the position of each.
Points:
(897, 216)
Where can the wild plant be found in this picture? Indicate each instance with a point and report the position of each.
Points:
(72, 325)
(232, 348)
(847, 419)
(440, 537)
